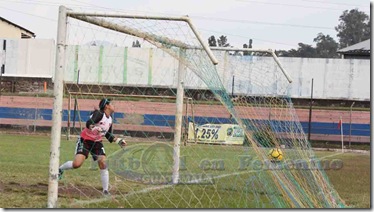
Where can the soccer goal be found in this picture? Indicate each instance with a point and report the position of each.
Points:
(199, 122)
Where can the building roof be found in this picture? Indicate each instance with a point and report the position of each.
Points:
(5, 20)
(362, 47)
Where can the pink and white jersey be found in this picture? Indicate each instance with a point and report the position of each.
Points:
(99, 130)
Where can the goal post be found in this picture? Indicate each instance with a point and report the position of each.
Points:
(269, 51)
(58, 90)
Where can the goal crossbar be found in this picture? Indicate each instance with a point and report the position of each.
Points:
(269, 51)
(146, 36)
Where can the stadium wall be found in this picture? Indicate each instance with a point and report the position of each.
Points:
(33, 58)
(347, 79)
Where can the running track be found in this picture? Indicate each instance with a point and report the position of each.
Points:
(158, 117)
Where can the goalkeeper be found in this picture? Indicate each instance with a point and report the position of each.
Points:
(90, 141)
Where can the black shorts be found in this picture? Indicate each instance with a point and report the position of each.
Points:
(86, 146)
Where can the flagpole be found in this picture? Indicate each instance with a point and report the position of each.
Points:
(341, 133)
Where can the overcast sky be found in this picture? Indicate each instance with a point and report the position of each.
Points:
(275, 24)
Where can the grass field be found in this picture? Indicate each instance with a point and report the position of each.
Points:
(24, 178)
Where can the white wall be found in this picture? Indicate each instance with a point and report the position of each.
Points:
(333, 78)
(28, 57)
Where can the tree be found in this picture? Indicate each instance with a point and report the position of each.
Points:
(281, 53)
(293, 53)
(237, 53)
(247, 46)
(212, 41)
(136, 44)
(245, 53)
(222, 41)
(326, 46)
(353, 28)
(304, 50)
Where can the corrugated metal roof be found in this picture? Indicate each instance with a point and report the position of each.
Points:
(363, 46)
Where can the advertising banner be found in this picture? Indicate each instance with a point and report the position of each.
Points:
(216, 133)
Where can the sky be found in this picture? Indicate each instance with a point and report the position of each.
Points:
(271, 24)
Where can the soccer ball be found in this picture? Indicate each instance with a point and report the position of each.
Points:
(275, 154)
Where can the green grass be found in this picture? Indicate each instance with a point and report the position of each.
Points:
(25, 162)
(338, 145)
(353, 180)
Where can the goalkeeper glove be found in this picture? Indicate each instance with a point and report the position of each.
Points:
(121, 142)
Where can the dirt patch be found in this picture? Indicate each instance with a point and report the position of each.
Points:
(14, 187)
(79, 192)
(41, 189)
(2, 186)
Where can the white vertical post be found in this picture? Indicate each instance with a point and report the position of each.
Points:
(203, 44)
(225, 68)
(350, 124)
(57, 109)
(280, 66)
(341, 132)
(69, 117)
(178, 118)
